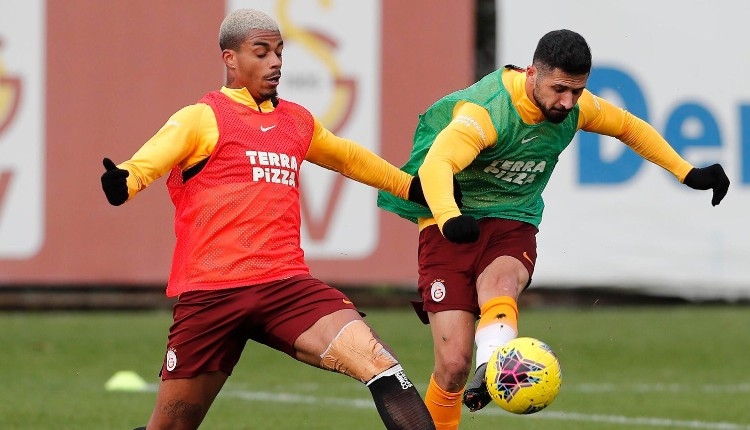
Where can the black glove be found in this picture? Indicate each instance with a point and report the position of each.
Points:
(461, 229)
(114, 183)
(707, 178)
(416, 194)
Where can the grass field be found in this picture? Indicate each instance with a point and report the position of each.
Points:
(676, 367)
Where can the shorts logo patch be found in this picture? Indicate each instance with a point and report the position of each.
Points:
(171, 359)
(437, 290)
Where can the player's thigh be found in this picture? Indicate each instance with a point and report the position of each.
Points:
(447, 272)
(183, 403)
(297, 315)
(207, 332)
(505, 276)
(507, 265)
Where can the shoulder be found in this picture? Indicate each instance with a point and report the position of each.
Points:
(295, 109)
(286, 104)
(599, 115)
(589, 105)
(471, 110)
(192, 113)
(476, 121)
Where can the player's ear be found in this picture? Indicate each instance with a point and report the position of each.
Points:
(531, 73)
(228, 56)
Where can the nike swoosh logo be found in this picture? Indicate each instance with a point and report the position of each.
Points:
(526, 256)
(524, 140)
(265, 129)
(347, 302)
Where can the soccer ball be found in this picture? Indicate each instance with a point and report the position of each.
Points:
(523, 376)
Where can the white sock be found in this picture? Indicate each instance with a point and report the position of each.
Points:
(491, 337)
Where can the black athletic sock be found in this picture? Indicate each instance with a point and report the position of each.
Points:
(140, 428)
(399, 404)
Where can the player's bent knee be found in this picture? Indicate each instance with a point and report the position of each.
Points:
(356, 352)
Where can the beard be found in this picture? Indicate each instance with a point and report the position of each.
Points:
(555, 116)
(551, 114)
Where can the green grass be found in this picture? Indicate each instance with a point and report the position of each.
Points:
(628, 368)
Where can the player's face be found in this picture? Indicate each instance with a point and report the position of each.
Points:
(257, 64)
(556, 92)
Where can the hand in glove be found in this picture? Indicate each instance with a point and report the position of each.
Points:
(416, 194)
(709, 178)
(114, 183)
(461, 229)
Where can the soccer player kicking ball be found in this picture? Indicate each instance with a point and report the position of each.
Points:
(238, 270)
(501, 138)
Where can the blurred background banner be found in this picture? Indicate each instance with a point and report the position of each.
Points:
(85, 79)
(613, 218)
(22, 142)
(100, 78)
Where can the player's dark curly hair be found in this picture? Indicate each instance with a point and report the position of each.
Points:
(565, 50)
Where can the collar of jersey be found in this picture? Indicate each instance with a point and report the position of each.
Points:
(515, 83)
(242, 95)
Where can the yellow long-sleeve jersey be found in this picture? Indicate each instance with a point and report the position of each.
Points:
(472, 130)
(191, 134)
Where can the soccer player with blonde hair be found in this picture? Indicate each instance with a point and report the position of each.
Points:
(238, 269)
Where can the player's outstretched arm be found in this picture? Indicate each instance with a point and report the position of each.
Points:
(362, 165)
(709, 178)
(649, 144)
(178, 143)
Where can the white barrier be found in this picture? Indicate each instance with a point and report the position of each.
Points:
(613, 219)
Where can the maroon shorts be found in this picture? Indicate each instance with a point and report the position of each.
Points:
(448, 272)
(210, 328)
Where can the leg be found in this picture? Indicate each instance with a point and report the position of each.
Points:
(508, 261)
(203, 346)
(498, 288)
(314, 341)
(181, 404)
(342, 342)
(453, 343)
(447, 286)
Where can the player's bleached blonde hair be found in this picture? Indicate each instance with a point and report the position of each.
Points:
(237, 24)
